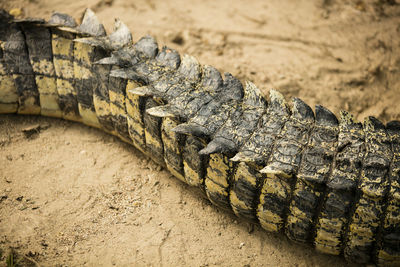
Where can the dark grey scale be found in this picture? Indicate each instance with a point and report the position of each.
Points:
(244, 191)
(314, 170)
(258, 148)
(240, 125)
(372, 192)
(189, 101)
(226, 142)
(214, 114)
(388, 240)
(286, 154)
(16, 58)
(341, 184)
(153, 70)
(283, 164)
(60, 19)
(185, 80)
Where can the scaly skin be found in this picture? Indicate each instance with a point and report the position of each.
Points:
(333, 183)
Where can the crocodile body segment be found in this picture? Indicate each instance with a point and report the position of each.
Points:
(332, 183)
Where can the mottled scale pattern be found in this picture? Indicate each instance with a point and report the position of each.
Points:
(334, 184)
(342, 182)
(282, 166)
(373, 188)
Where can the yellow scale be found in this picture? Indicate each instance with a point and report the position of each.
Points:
(217, 174)
(242, 173)
(279, 186)
(47, 87)
(134, 117)
(63, 45)
(192, 177)
(8, 91)
(170, 141)
(82, 53)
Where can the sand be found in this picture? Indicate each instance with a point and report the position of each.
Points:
(71, 195)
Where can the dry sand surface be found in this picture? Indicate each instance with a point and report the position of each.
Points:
(71, 195)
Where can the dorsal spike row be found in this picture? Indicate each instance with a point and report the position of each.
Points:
(91, 25)
(231, 114)
(116, 40)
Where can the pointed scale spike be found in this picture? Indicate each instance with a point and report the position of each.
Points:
(271, 170)
(169, 57)
(126, 73)
(302, 111)
(236, 90)
(93, 41)
(212, 79)
(372, 124)
(253, 96)
(190, 68)
(393, 126)
(91, 24)
(143, 91)
(218, 145)
(119, 73)
(325, 117)
(190, 129)
(278, 104)
(162, 111)
(61, 19)
(116, 40)
(246, 156)
(108, 61)
(348, 121)
(121, 36)
(147, 46)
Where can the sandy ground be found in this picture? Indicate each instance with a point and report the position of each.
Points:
(71, 195)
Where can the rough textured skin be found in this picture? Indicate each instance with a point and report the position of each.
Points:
(333, 183)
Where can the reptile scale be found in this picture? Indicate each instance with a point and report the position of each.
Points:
(333, 183)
